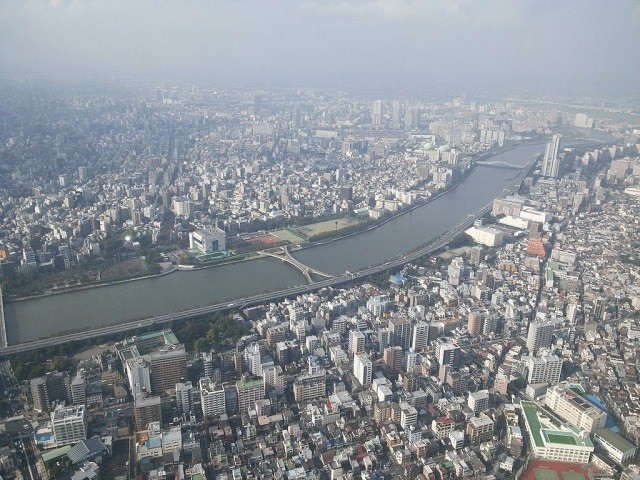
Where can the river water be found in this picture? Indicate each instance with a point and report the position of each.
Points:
(113, 304)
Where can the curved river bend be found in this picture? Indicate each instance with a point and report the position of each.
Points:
(129, 301)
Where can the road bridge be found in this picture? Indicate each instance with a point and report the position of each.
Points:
(305, 269)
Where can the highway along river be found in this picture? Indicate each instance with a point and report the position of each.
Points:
(85, 309)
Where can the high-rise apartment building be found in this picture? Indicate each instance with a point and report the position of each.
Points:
(69, 424)
(362, 369)
(168, 367)
(249, 389)
(551, 161)
(539, 336)
(212, 398)
(356, 341)
(184, 397)
(474, 324)
(542, 369)
(310, 386)
(400, 332)
(147, 410)
(420, 336)
(448, 352)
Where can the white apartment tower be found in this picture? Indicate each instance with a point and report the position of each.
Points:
(362, 369)
(551, 161)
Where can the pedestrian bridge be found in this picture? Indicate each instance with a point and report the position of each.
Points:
(305, 269)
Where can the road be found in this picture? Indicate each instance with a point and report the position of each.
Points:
(430, 248)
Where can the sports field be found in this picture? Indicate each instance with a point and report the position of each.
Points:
(314, 229)
(561, 439)
(549, 470)
(288, 236)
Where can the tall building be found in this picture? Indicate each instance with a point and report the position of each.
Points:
(184, 397)
(146, 410)
(212, 398)
(69, 424)
(208, 241)
(52, 387)
(448, 353)
(551, 161)
(356, 341)
(400, 332)
(478, 401)
(420, 336)
(362, 369)
(310, 387)
(480, 429)
(249, 389)
(253, 358)
(393, 359)
(79, 389)
(539, 336)
(542, 369)
(168, 367)
(139, 375)
(474, 324)
(377, 112)
(575, 409)
(273, 379)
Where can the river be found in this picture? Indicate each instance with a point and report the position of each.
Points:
(51, 315)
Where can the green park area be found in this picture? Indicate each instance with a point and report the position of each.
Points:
(321, 229)
(286, 235)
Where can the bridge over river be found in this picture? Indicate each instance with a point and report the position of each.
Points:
(305, 269)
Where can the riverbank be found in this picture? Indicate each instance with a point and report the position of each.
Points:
(307, 245)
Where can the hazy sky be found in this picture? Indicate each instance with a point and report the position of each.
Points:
(504, 45)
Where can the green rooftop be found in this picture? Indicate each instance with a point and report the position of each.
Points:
(561, 438)
(55, 453)
(249, 382)
(545, 436)
(620, 443)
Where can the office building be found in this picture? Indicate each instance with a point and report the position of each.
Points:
(551, 161)
(212, 398)
(208, 241)
(139, 375)
(539, 336)
(69, 424)
(79, 389)
(362, 369)
(184, 397)
(249, 389)
(565, 402)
